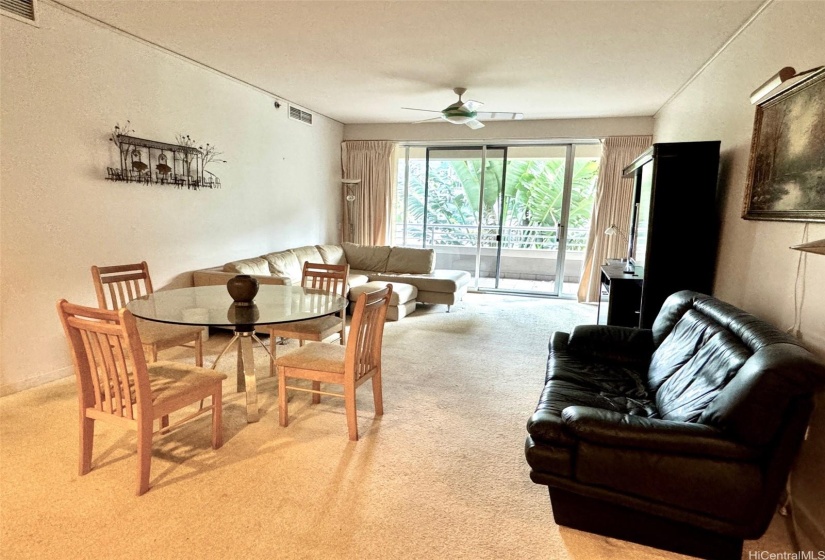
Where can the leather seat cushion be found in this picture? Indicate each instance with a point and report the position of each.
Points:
(546, 425)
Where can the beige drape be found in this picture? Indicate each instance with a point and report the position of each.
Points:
(614, 200)
(373, 162)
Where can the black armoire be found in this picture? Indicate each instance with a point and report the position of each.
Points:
(674, 224)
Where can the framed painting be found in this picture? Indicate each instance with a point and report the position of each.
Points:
(786, 173)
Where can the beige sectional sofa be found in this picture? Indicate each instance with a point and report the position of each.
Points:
(405, 265)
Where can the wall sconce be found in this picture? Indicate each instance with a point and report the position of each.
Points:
(777, 80)
(350, 186)
(773, 82)
(817, 247)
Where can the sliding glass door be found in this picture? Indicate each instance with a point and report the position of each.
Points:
(515, 216)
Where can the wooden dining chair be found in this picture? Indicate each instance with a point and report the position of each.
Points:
(116, 385)
(330, 278)
(116, 286)
(348, 366)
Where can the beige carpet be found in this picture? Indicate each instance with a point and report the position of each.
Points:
(441, 475)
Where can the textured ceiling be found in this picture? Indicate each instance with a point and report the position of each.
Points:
(360, 62)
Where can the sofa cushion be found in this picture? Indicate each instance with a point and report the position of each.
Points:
(686, 337)
(332, 254)
(367, 257)
(356, 279)
(411, 260)
(307, 253)
(257, 265)
(686, 394)
(449, 281)
(401, 293)
(754, 405)
(285, 264)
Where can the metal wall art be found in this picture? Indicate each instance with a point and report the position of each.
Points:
(148, 161)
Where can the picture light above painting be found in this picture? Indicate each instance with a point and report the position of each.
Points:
(182, 165)
(786, 173)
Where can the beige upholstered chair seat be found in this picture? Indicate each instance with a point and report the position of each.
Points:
(152, 332)
(321, 326)
(168, 381)
(316, 356)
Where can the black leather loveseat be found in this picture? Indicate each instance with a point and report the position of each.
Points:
(679, 437)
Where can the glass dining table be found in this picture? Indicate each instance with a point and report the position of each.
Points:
(212, 306)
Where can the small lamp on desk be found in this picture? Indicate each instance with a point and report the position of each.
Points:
(630, 266)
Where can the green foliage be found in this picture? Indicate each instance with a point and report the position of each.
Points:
(533, 196)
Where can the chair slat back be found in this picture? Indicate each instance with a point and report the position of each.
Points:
(366, 333)
(110, 368)
(116, 286)
(328, 277)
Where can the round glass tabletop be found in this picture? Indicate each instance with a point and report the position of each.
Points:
(213, 306)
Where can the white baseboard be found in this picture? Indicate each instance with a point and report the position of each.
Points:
(22, 385)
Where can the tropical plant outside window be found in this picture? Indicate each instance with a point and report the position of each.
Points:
(533, 191)
(527, 216)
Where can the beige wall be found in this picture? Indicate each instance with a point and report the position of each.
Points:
(503, 130)
(755, 268)
(64, 86)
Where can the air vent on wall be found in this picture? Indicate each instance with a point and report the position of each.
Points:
(298, 114)
(24, 10)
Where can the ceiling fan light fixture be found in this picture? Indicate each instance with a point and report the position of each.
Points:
(459, 116)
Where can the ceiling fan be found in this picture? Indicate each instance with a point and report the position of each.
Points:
(464, 112)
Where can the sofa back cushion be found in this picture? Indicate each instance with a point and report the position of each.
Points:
(409, 260)
(756, 402)
(743, 376)
(307, 253)
(688, 391)
(285, 264)
(332, 254)
(257, 266)
(367, 257)
(688, 335)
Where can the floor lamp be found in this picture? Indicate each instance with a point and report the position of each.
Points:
(350, 186)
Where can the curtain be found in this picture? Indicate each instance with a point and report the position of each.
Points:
(374, 163)
(614, 201)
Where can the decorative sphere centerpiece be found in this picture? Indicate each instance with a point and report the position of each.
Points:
(243, 288)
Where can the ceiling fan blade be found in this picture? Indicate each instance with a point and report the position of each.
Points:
(414, 109)
(500, 116)
(472, 105)
(427, 120)
(474, 124)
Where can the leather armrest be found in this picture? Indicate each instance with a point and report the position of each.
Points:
(558, 341)
(614, 429)
(622, 345)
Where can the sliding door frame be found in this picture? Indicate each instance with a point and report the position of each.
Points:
(561, 253)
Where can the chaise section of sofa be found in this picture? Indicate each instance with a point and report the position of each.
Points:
(405, 265)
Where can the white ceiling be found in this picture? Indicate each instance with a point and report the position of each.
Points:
(360, 62)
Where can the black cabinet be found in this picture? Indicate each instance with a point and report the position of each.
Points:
(674, 224)
(621, 296)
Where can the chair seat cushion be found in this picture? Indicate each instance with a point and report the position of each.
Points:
(317, 357)
(320, 327)
(401, 293)
(170, 380)
(152, 332)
